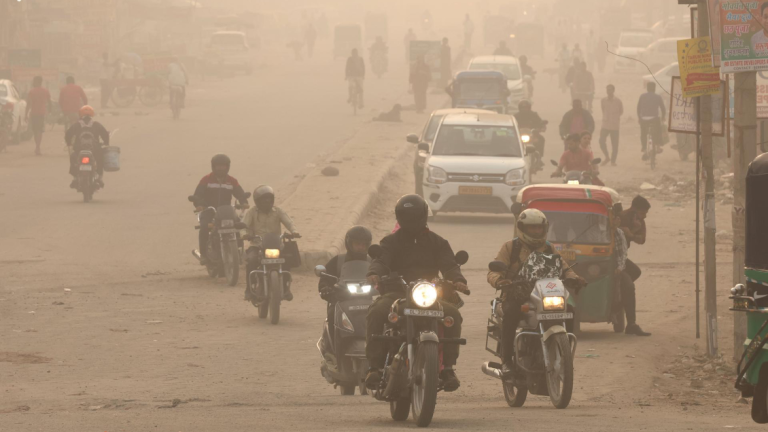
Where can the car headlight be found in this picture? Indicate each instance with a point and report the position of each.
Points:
(526, 138)
(354, 288)
(515, 177)
(554, 303)
(436, 175)
(272, 253)
(424, 295)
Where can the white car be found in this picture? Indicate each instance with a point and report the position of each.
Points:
(475, 163)
(660, 53)
(631, 44)
(664, 76)
(9, 94)
(229, 50)
(510, 67)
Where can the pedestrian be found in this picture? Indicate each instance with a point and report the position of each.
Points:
(633, 225)
(38, 100)
(71, 99)
(419, 79)
(650, 113)
(625, 283)
(576, 121)
(612, 109)
(108, 74)
(445, 63)
(469, 30)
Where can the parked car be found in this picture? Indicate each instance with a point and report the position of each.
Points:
(229, 50)
(659, 53)
(428, 135)
(10, 94)
(510, 67)
(475, 164)
(631, 43)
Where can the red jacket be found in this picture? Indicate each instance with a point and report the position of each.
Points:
(72, 98)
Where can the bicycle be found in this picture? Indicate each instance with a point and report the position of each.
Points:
(355, 95)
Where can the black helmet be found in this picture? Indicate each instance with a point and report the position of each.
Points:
(359, 234)
(220, 159)
(411, 212)
(264, 197)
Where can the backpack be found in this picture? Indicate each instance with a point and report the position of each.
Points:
(87, 137)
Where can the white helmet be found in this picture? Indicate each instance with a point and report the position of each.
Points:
(530, 218)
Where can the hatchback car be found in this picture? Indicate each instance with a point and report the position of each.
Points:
(10, 95)
(474, 164)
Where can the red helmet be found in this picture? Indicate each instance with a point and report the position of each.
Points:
(87, 111)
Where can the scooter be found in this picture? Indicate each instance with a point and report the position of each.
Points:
(268, 283)
(342, 344)
(578, 177)
(534, 148)
(544, 349)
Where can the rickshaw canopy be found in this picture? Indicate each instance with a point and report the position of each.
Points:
(568, 192)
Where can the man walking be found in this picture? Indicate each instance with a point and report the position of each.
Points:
(38, 101)
(71, 99)
(650, 112)
(633, 226)
(612, 109)
(420, 77)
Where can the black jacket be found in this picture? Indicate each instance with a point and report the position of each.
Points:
(72, 134)
(528, 120)
(211, 192)
(355, 67)
(565, 125)
(421, 257)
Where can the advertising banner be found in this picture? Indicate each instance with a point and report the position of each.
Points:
(743, 35)
(699, 78)
(682, 110)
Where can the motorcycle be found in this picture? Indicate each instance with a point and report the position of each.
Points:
(342, 344)
(534, 148)
(379, 62)
(267, 285)
(544, 349)
(6, 124)
(411, 372)
(224, 241)
(87, 178)
(578, 177)
(177, 101)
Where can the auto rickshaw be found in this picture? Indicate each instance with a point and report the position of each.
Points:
(480, 89)
(752, 299)
(345, 39)
(581, 231)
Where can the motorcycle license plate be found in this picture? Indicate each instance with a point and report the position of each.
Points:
(424, 313)
(555, 316)
(475, 190)
(86, 168)
(273, 261)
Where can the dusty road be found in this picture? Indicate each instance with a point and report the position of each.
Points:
(106, 324)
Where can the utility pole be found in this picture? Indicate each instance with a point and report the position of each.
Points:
(744, 151)
(707, 162)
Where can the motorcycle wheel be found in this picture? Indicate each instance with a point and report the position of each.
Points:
(85, 187)
(760, 400)
(231, 263)
(618, 322)
(514, 395)
(275, 296)
(424, 394)
(400, 409)
(362, 370)
(560, 377)
(347, 389)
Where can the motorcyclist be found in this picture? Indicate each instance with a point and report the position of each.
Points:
(177, 77)
(355, 75)
(526, 117)
(86, 133)
(502, 50)
(532, 229)
(413, 252)
(379, 47)
(575, 158)
(214, 190)
(261, 220)
(357, 241)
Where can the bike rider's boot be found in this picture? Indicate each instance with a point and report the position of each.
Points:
(204, 261)
(287, 294)
(508, 368)
(450, 380)
(373, 378)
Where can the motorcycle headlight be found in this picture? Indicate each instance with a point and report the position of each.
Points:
(424, 295)
(515, 177)
(554, 303)
(526, 138)
(358, 288)
(436, 175)
(272, 253)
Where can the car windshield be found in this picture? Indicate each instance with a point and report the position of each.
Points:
(635, 40)
(434, 122)
(510, 70)
(227, 40)
(581, 228)
(479, 90)
(497, 141)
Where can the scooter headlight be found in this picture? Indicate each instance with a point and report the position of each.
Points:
(553, 303)
(272, 253)
(526, 138)
(424, 295)
(354, 288)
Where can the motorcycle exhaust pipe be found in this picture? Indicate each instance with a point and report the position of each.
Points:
(196, 254)
(490, 371)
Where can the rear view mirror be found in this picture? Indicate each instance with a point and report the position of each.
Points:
(412, 138)
(517, 208)
(319, 270)
(497, 266)
(375, 251)
(462, 257)
(247, 195)
(424, 147)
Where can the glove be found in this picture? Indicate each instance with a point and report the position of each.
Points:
(296, 235)
(461, 287)
(199, 208)
(374, 280)
(575, 284)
